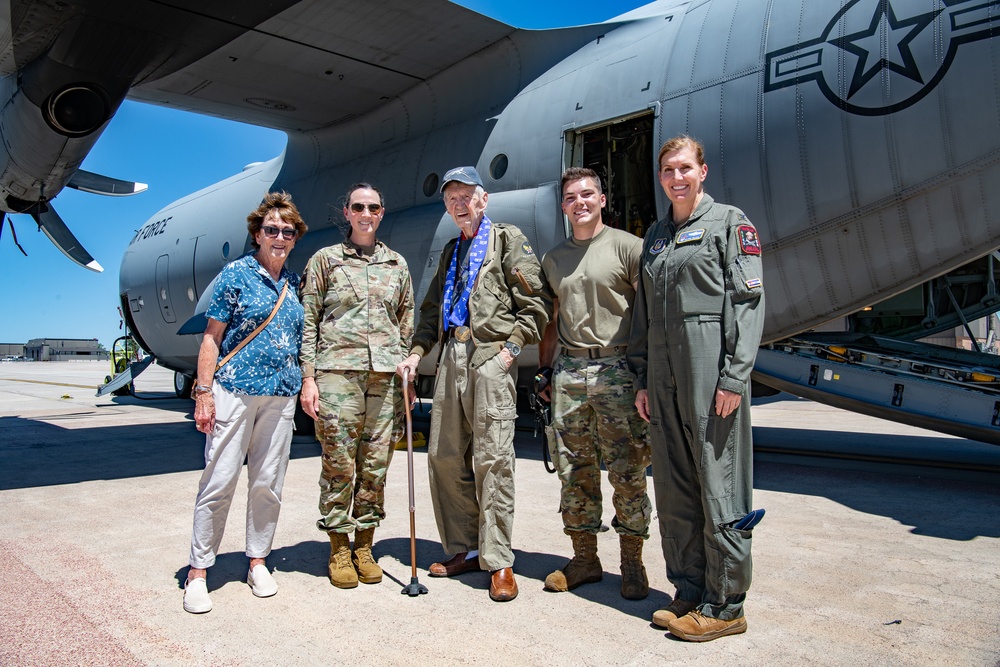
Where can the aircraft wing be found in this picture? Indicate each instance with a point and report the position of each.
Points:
(316, 63)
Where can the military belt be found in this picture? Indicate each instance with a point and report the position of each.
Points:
(594, 352)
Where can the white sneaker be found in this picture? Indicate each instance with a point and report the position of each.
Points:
(261, 582)
(196, 600)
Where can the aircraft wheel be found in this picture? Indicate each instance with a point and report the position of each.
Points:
(183, 384)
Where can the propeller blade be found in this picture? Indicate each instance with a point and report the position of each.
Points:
(13, 233)
(60, 235)
(87, 181)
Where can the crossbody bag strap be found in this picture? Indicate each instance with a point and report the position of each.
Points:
(256, 331)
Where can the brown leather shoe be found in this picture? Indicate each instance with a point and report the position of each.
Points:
(503, 587)
(457, 564)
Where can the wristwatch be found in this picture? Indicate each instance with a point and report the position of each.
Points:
(513, 348)
(202, 389)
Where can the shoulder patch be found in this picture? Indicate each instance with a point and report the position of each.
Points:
(659, 245)
(526, 247)
(749, 241)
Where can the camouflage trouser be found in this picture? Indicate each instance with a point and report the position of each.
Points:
(593, 420)
(359, 425)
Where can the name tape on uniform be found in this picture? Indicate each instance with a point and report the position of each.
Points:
(690, 236)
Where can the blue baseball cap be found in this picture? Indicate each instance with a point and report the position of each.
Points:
(467, 175)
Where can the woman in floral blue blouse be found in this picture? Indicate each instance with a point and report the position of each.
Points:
(246, 408)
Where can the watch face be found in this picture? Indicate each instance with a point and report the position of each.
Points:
(514, 349)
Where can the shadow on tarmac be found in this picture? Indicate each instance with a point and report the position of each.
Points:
(36, 453)
(530, 567)
(935, 508)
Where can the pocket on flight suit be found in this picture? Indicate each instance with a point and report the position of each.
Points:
(733, 560)
(740, 281)
(716, 465)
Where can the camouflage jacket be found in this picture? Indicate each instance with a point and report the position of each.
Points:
(358, 310)
(509, 301)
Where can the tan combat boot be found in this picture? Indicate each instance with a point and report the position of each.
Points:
(368, 570)
(342, 573)
(696, 627)
(676, 609)
(583, 568)
(635, 585)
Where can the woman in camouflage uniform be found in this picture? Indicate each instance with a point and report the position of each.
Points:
(358, 303)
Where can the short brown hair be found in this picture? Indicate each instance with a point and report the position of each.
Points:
(575, 174)
(679, 142)
(280, 203)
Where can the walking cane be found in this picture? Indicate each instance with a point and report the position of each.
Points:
(414, 588)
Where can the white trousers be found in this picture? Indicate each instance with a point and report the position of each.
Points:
(255, 428)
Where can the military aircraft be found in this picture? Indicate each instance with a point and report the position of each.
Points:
(860, 136)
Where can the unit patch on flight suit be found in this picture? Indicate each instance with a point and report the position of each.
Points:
(690, 236)
(659, 245)
(753, 283)
(749, 241)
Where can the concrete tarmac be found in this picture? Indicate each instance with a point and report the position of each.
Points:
(854, 564)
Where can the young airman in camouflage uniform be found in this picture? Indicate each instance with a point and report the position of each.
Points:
(358, 323)
(593, 277)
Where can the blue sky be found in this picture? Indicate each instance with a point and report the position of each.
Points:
(176, 153)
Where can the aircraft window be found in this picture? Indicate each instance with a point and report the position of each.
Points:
(498, 167)
(431, 184)
(225, 250)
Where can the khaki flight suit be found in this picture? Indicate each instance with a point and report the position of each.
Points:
(697, 323)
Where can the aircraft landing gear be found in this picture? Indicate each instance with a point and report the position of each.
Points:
(183, 384)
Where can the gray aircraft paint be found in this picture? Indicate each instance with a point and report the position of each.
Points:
(860, 137)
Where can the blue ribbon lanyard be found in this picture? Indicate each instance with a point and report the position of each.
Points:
(458, 314)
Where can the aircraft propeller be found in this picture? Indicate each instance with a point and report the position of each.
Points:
(55, 228)
(49, 222)
(88, 181)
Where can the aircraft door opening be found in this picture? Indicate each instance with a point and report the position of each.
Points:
(621, 152)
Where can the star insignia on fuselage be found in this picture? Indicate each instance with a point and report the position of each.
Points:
(897, 34)
(867, 60)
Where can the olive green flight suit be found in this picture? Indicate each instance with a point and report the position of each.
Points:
(697, 323)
